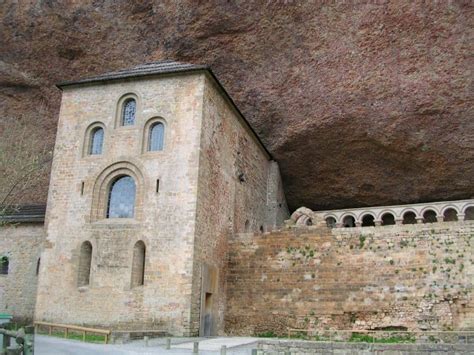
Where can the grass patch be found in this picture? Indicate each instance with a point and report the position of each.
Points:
(363, 338)
(267, 334)
(90, 338)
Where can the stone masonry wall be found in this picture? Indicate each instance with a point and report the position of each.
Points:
(232, 194)
(164, 220)
(412, 276)
(22, 245)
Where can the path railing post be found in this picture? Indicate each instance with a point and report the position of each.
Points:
(196, 347)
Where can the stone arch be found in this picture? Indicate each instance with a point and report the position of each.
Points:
(85, 263)
(426, 208)
(348, 220)
(409, 216)
(429, 215)
(388, 218)
(103, 183)
(450, 214)
(331, 221)
(367, 219)
(138, 264)
(468, 212)
(120, 104)
(87, 142)
(146, 133)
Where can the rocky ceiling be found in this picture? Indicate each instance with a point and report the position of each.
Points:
(360, 103)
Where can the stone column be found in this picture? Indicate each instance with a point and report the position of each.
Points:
(461, 216)
(358, 224)
(399, 221)
(440, 218)
(419, 219)
(378, 223)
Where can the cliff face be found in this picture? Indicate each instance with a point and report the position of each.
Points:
(363, 104)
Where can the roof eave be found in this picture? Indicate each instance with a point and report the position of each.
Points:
(98, 80)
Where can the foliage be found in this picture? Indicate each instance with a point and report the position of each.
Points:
(364, 338)
(267, 334)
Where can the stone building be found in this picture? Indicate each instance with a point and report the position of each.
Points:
(154, 169)
(165, 212)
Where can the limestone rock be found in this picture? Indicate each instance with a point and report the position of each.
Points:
(362, 103)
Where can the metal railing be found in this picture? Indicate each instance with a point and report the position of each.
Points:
(66, 328)
(24, 342)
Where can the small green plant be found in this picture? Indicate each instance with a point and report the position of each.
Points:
(449, 260)
(361, 241)
(267, 334)
(391, 262)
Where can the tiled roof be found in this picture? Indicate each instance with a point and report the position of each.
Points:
(159, 67)
(24, 214)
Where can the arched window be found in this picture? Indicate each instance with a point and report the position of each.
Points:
(429, 217)
(121, 198)
(368, 221)
(4, 264)
(450, 215)
(128, 112)
(156, 137)
(96, 141)
(85, 261)
(388, 219)
(138, 264)
(331, 222)
(409, 218)
(348, 222)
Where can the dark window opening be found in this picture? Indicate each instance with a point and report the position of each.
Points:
(38, 266)
(469, 214)
(368, 221)
(429, 217)
(450, 215)
(409, 218)
(388, 219)
(331, 222)
(348, 222)
(4, 265)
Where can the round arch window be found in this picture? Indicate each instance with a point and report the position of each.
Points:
(121, 202)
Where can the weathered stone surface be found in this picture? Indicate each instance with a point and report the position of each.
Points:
(362, 103)
(22, 244)
(414, 277)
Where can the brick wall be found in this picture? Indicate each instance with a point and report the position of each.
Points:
(413, 276)
(234, 182)
(164, 221)
(22, 244)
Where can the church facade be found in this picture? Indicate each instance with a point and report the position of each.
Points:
(154, 170)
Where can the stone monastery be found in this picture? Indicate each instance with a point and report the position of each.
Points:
(166, 212)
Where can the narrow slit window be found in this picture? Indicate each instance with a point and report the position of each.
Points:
(82, 188)
(157, 185)
(138, 264)
(85, 261)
